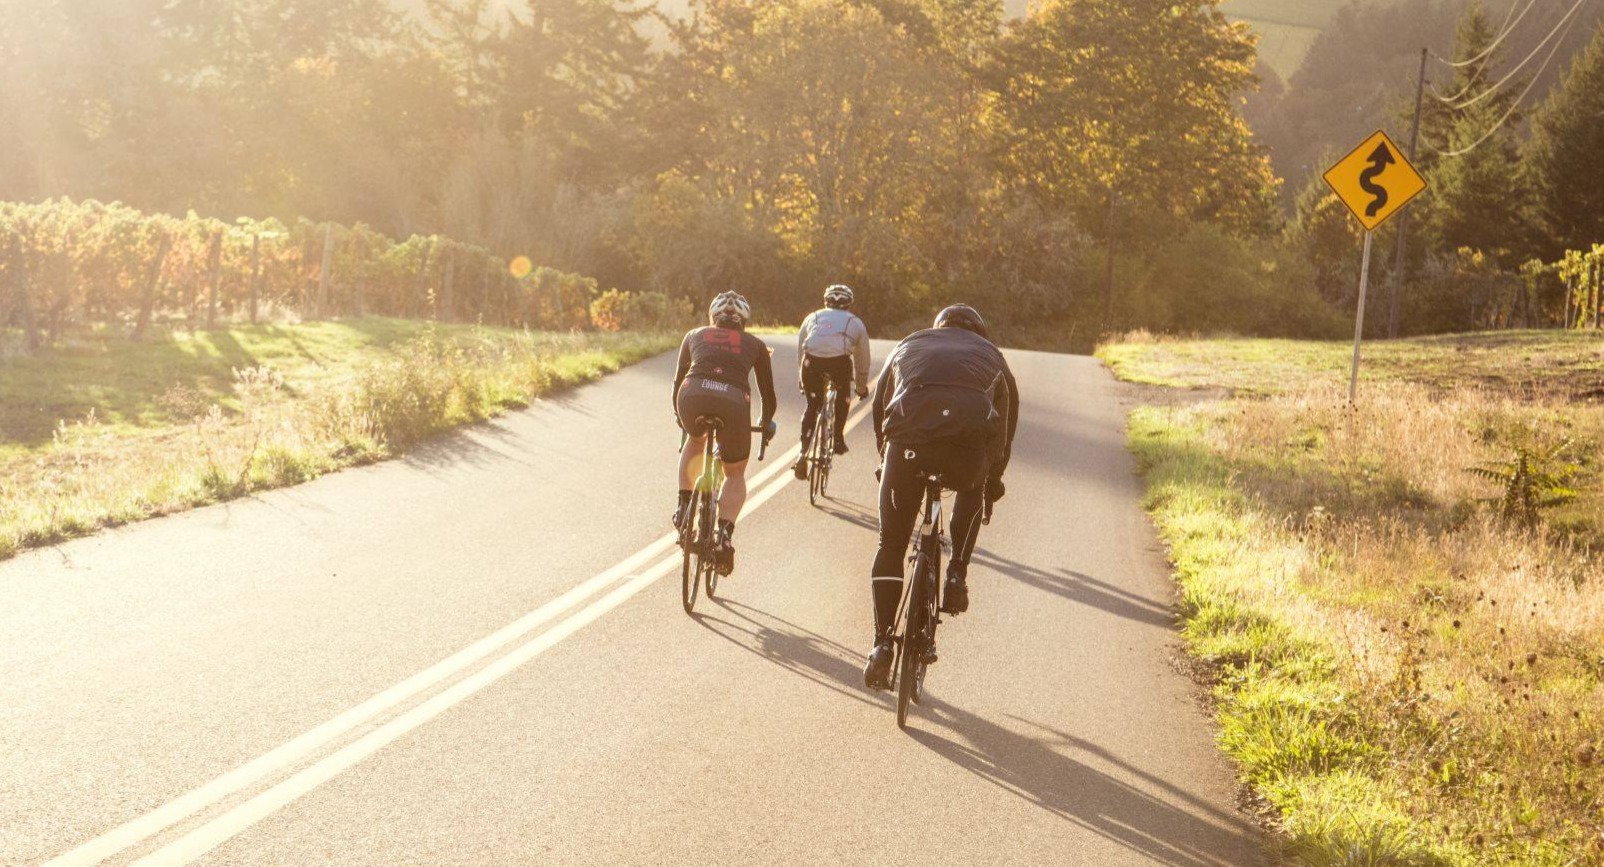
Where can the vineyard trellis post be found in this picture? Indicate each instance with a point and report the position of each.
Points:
(147, 304)
(19, 285)
(447, 308)
(420, 284)
(322, 304)
(256, 275)
(215, 278)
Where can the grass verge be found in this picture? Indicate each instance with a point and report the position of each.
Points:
(153, 428)
(1405, 675)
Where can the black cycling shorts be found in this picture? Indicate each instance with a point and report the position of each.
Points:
(962, 468)
(706, 398)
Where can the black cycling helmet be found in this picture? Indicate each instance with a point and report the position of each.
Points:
(962, 316)
(838, 297)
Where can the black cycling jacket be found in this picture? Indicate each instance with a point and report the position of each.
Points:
(948, 385)
(729, 356)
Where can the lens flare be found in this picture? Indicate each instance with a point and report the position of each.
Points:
(521, 266)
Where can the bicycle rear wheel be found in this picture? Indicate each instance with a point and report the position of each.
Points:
(916, 638)
(818, 460)
(691, 542)
(710, 550)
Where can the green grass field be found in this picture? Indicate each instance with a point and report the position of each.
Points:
(1407, 671)
(100, 430)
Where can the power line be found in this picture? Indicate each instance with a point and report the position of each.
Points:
(1564, 23)
(1506, 28)
(1518, 100)
(1485, 56)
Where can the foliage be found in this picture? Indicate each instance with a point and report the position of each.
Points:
(640, 311)
(1534, 479)
(1135, 100)
(64, 263)
(1563, 155)
(1478, 197)
(771, 146)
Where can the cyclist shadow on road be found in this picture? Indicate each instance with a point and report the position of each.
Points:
(852, 513)
(1080, 588)
(1159, 821)
(796, 649)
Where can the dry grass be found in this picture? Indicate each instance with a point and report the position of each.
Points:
(1407, 677)
(1538, 365)
(270, 430)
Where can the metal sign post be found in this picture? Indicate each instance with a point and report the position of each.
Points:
(1374, 180)
(1359, 321)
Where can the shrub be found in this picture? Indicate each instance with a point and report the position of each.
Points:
(639, 311)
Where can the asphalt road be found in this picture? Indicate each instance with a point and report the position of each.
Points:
(476, 655)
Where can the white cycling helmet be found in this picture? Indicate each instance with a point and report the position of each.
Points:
(838, 297)
(730, 309)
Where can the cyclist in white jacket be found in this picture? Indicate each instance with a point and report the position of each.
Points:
(833, 346)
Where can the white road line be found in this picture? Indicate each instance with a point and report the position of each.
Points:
(211, 834)
(219, 830)
(293, 751)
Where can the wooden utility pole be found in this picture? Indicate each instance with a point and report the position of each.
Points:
(1403, 219)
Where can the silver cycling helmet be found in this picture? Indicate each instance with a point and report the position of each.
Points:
(838, 297)
(730, 310)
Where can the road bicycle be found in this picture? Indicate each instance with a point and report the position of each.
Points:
(821, 449)
(919, 613)
(700, 537)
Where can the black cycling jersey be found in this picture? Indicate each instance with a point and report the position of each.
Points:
(727, 356)
(948, 385)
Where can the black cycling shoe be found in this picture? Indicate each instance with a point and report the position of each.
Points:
(801, 466)
(841, 445)
(877, 674)
(955, 598)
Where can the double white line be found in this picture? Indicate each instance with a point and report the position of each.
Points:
(638, 571)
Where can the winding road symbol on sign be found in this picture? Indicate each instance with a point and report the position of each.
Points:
(1380, 158)
(1375, 180)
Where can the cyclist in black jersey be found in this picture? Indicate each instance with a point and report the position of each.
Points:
(946, 404)
(713, 381)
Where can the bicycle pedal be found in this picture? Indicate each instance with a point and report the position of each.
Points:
(930, 657)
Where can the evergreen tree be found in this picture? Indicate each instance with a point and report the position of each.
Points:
(1479, 191)
(1566, 156)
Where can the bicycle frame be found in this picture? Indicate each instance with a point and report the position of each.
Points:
(919, 612)
(822, 447)
(699, 537)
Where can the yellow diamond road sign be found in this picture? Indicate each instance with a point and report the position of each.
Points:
(1375, 180)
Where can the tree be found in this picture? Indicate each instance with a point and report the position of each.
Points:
(1564, 155)
(1136, 99)
(1476, 179)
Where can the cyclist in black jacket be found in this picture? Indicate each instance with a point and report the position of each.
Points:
(713, 381)
(946, 403)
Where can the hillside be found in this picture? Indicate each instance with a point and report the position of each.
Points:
(1286, 27)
